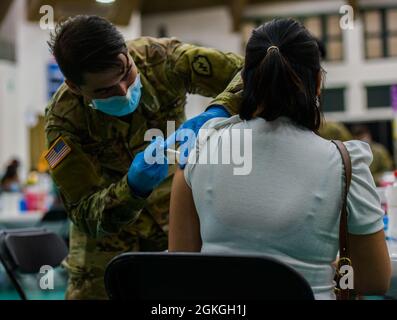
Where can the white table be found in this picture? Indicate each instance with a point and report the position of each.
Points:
(11, 215)
(25, 217)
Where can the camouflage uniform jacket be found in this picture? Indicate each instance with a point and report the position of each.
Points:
(97, 149)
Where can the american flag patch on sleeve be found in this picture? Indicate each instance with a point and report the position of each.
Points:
(57, 153)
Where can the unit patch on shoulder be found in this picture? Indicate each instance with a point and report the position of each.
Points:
(202, 66)
(57, 153)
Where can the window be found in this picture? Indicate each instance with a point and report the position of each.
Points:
(380, 26)
(324, 27)
(333, 99)
(392, 32)
(378, 96)
(314, 25)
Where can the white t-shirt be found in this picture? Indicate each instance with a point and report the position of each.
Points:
(288, 206)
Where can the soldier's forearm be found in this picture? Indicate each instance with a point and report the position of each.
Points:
(107, 210)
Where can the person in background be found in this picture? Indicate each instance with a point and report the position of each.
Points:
(288, 206)
(382, 160)
(332, 130)
(10, 180)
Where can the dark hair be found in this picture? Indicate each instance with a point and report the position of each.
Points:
(86, 44)
(321, 47)
(11, 171)
(282, 80)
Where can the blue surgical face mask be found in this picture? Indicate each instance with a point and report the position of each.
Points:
(120, 106)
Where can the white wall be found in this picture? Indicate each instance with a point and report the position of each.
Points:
(134, 28)
(8, 26)
(286, 8)
(207, 27)
(10, 119)
(32, 56)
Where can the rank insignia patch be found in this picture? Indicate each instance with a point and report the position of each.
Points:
(57, 153)
(202, 66)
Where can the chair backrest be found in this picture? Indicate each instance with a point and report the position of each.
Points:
(27, 250)
(195, 277)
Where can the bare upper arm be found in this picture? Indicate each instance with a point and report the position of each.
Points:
(371, 263)
(184, 225)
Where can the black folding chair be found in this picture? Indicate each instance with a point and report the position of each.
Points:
(199, 277)
(27, 250)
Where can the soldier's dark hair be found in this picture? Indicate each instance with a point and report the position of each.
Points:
(86, 44)
(282, 80)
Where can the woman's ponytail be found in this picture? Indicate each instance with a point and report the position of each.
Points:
(280, 74)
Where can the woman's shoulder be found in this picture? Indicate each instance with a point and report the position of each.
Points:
(359, 151)
(216, 125)
(365, 215)
(219, 123)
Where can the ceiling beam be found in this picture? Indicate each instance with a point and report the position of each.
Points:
(123, 11)
(354, 5)
(32, 9)
(237, 10)
(118, 12)
(161, 6)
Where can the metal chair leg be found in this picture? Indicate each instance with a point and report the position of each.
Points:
(14, 280)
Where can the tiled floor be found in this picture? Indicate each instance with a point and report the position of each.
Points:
(50, 295)
(32, 290)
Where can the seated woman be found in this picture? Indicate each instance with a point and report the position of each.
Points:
(288, 206)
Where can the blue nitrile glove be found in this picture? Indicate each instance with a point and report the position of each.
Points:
(187, 133)
(148, 169)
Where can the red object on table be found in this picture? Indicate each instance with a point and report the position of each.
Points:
(35, 201)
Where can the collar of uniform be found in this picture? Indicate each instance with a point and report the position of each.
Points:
(149, 99)
(87, 102)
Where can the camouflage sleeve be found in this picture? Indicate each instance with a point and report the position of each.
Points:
(95, 208)
(381, 162)
(209, 72)
(231, 97)
(387, 162)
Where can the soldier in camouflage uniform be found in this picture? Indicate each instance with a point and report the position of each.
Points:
(381, 161)
(334, 131)
(91, 152)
